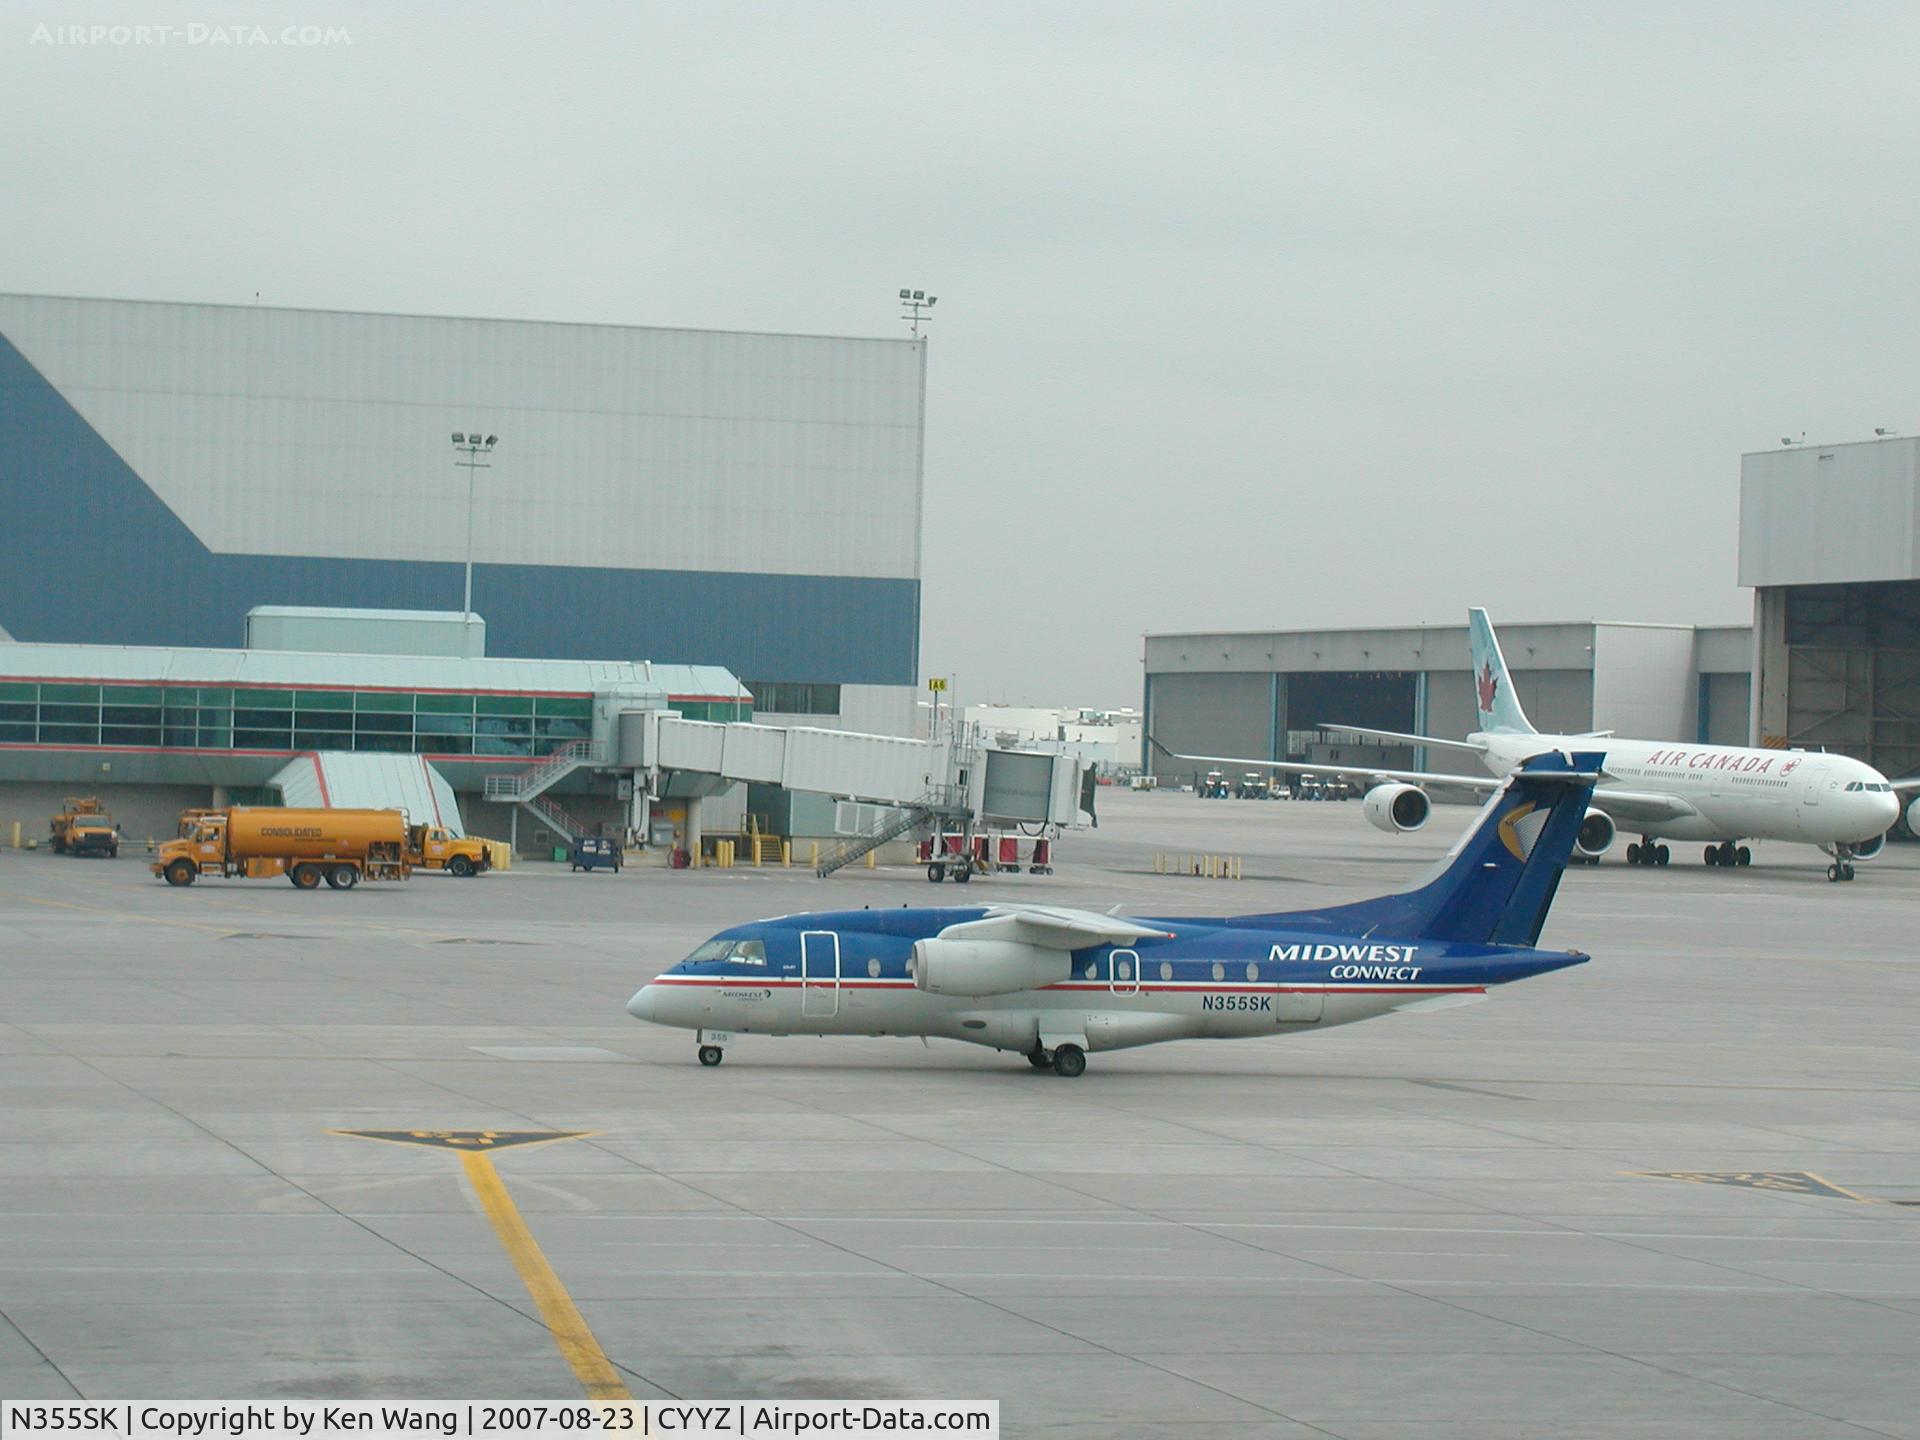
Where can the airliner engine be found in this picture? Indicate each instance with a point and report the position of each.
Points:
(1595, 836)
(986, 967)
(1397, 808)
(1867, 849)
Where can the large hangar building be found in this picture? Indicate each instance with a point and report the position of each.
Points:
(1268, 694)
(747, 501)
(1830, 543)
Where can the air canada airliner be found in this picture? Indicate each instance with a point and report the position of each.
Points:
(1661, 790)
(1052, 983)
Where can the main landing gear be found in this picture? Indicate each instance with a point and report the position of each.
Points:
(1066, 1060)
(1648, 853)
(711, 1054)
(1729, 854)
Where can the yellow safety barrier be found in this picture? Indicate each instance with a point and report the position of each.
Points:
(16, 834)
(1205, 867)
(499, 853)
(786, 853)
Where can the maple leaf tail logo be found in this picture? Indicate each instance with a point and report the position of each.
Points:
(1489, 687)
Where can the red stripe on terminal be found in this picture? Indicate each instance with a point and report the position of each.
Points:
(424, 770)
(320, 774)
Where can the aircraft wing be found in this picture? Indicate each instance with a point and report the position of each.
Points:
(1473, 784)
(1636, 807)
(1401, 738)
(1055, 927)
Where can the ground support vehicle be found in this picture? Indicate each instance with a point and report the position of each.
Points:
(434, 847)
(1213, 785)
(595, 852)
(342, 847)
(83, 828)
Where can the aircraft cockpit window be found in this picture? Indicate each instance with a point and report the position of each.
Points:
(749, 952)
(712, 950)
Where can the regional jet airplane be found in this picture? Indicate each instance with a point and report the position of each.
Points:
(1053, 984)
(1664, 790)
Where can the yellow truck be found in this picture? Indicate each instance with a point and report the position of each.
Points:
(341, 847)
(83, 828)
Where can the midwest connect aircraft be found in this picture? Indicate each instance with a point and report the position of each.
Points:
(1053, 984)
(1664, 790)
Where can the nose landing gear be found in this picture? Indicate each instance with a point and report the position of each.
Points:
(711, 1054)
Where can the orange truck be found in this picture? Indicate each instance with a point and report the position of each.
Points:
(83, 828)
(341, 847)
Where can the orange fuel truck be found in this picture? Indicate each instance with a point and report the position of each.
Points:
(342, 847)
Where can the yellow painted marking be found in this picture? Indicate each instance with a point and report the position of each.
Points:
(1786, 1182)
(570, 1333)
(465, 1139)
(564, 1322)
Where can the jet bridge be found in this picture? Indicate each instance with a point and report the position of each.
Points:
(954, 781)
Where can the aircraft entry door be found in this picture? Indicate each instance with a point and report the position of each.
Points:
(819, 973)
(1123, 972)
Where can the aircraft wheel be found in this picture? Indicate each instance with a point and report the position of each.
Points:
(962, 874)
(1833, 872)
(1040, 1059)
(305, 877)
(1712, 857)
(1069, 1061)
(936, 873)
(1846, 871)
(343, 877)
(1743, 856)
(711, 1055)
(1661, 854)
(180, 872)
(1633, 854)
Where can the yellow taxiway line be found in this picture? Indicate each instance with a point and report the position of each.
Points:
(570, 1333)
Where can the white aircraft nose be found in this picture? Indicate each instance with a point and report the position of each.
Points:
(645, 1004)
(1886, 809)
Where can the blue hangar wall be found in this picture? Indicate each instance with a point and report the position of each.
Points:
(90, 554)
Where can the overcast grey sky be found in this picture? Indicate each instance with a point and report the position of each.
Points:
(1250, 315)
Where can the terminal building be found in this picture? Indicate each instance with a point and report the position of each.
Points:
(235, 535)
(746, 501)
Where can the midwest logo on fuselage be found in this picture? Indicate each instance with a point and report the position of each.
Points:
(1354, 962)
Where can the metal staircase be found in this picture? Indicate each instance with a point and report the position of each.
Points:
(546, 772)
(938, 803)
(528, 788)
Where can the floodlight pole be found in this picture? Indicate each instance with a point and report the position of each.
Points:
(472, 447)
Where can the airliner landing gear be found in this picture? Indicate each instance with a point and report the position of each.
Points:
(711, 1054)
(1040, 1058)
(1070, 1061)
(1648, 853)
(1728, 853)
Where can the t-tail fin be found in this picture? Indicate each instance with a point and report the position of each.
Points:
(1497, 883)
(1493, 687)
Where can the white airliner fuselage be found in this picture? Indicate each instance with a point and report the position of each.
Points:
(1733, 793)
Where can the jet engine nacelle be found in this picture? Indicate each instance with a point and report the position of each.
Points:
(1867, 849)
(986, 967)
(1595, 835)
(1913, 815)
(1397, 808)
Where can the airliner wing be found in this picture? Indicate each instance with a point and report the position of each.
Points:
(1426, 779)
(1056, 927)
(1400, 738)
(1637, 807)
